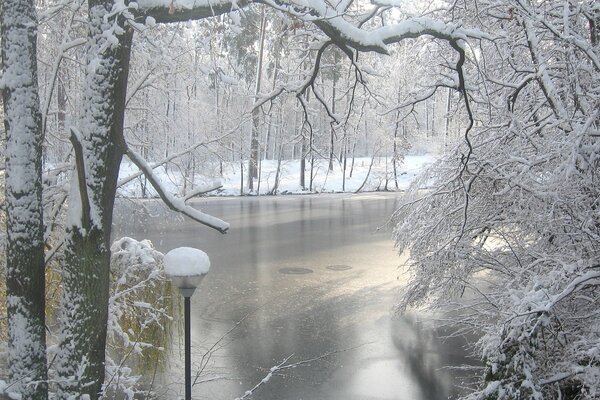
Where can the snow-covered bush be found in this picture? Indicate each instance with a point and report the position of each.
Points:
(139, 314)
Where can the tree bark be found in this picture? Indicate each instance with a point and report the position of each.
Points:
(80, 364)
(253, 164)
(332, 131)
(25, 226)
(396, 157)
(303, 152)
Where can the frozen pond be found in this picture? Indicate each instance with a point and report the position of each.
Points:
(309, 277)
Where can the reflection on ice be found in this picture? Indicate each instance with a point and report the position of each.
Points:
(259, 316)
(379, 379)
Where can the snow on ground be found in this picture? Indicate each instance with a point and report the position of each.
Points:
(324, 181)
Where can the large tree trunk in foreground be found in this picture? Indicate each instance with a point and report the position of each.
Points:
(98, 148)
(25, 229)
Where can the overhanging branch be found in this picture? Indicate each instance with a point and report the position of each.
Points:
(175, 204)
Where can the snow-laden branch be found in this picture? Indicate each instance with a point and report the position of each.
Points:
(544, 78)
(330, 20)
(202, 190)
(591, 278)
(341, 30)
(165, 11)
(267, 378)
(174, 203)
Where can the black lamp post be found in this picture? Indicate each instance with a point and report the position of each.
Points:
(186, 267)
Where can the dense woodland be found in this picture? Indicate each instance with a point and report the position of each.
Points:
(504, 228)
(205, 94)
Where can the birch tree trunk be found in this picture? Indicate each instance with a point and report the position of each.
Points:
(25, 227)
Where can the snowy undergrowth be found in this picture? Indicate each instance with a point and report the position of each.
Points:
(139, 313)
(138, 326)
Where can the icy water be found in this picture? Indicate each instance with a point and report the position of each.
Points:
(312, 278)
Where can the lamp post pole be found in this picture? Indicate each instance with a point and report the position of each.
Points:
(187, 267)
(187, 295)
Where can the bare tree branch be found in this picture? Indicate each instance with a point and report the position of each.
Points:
(81, 181)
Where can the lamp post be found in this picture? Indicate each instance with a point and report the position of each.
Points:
(186, 267)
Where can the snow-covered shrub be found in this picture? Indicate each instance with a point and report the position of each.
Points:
(139, 314)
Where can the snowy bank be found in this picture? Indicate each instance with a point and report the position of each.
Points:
(365, 173)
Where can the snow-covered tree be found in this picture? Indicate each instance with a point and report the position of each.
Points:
(508, 226)
(25, 229)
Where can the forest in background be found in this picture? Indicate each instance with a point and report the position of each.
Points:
(226, 90)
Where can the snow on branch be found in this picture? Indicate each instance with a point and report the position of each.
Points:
(327, 18)
(332, 22)
(165, 11)
(341, 30)
(202, 190)
(174, 203)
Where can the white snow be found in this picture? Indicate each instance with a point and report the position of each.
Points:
(4, 390)
(180, 4)
(324, 181)
(186, 261)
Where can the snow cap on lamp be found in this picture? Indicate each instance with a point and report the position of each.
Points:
(186, 267)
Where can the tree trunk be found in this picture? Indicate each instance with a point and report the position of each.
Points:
(25, 285)
(368, 173)
(277, 173)
(332, 131)
(312, 160)
(241, 161)
(61, 102)
(447, 118)
(395, 158)
(303, 152)
(353, 156)
(253, 164)
(345, 162)
(98, 149)
(426, 107)
(269, 135)
(433, 101)
(594, 30)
